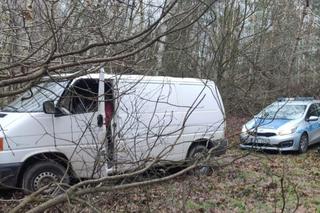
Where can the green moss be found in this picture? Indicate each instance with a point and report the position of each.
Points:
(206, 205)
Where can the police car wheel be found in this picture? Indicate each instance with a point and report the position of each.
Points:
(45, 173)
(303, 143)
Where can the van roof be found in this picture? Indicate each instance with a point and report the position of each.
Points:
(149, 78)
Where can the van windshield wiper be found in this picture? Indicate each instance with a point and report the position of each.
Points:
(28, 97)
(10, 107)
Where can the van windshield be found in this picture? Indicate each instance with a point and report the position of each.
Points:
(33, 99)
(282, 111)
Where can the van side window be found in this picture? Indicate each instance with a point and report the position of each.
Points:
(81, 97)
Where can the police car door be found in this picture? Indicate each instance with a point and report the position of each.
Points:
(317, 125)
(313, 126)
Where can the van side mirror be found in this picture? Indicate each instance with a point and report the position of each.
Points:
(313, 118)
(48, 107)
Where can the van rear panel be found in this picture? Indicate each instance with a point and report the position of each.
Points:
(160, 119)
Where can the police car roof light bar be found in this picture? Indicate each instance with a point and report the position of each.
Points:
(295, 99)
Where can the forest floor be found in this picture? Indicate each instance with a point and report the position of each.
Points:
(244, 182)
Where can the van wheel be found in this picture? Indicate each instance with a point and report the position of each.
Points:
(45, 173)
(199, 153)
(303, 143)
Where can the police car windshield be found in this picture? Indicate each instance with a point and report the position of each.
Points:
(33, 99)
(282, 110)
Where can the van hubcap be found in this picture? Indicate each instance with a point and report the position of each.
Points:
(201, 169)
(43, 179)
(199, 155)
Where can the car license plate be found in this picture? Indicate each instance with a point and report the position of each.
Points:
(259, 140)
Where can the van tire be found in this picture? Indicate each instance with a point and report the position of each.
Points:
(199, 152)
(303, 143)
(43, 173)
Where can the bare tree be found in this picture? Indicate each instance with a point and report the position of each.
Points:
(254, 49)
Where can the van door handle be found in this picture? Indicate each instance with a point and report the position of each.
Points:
(100, 120)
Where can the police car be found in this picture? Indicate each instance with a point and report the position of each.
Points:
(289, 124)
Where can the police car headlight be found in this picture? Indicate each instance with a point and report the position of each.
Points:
(244, 131)
(247, 127)
(287, 131)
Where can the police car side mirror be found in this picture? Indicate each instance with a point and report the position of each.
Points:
(313, 118)
(48, 107)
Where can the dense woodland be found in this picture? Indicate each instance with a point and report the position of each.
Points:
(255, 50)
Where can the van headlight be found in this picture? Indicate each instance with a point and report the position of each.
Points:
(287, 131)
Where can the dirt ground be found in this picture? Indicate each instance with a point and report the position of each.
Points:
(243, 182)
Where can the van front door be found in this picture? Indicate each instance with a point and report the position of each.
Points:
(79, 128)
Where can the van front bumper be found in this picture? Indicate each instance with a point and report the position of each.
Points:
(9, 175)
(277, 143)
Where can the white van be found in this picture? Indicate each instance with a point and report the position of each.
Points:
(98, 124)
